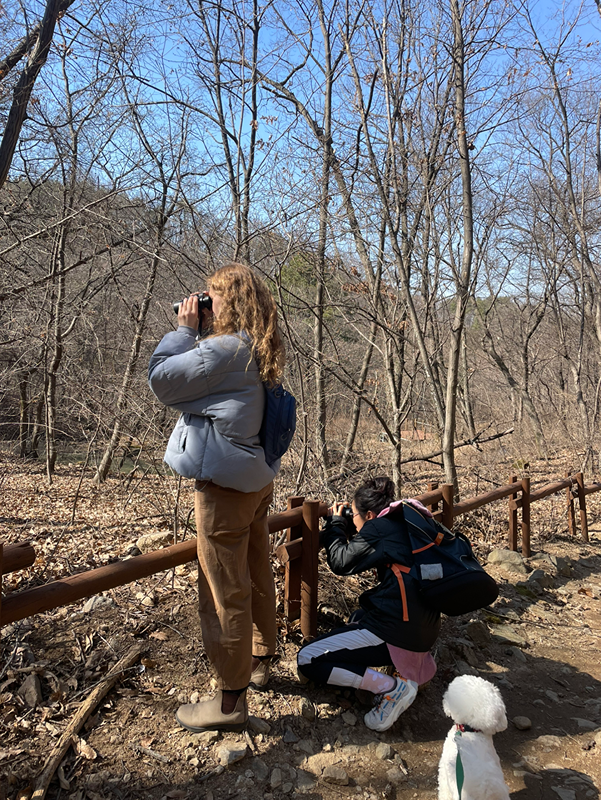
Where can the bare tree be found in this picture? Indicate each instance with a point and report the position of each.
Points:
(36, 44)
(167, 166)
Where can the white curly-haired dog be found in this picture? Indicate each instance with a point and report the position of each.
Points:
(469, 768)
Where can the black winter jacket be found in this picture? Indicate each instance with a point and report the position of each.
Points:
(381, 543)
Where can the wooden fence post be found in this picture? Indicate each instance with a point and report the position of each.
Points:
(292, 581)
(513, 517)
(431, 487)
(526, 517)
(582, 506)
(571, 514)
(447, 505)
(309, 568)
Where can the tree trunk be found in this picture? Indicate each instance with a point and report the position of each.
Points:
(109, 452)
(23, 89)
(468, 410)
(463, 283)
(522, 399)
(318, 338)
(356, 411)
(23, 413)
(36, 432)
(57, 353)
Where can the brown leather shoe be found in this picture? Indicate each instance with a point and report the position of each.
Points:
(208, 716)
(260, 675)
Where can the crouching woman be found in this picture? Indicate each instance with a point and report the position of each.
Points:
(393, 627)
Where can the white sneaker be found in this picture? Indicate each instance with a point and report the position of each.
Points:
(391, 705)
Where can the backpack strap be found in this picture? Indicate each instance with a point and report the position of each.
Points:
(398, 570)
(428, 523)
(437, 541)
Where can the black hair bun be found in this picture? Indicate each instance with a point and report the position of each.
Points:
(374, 495)
(385, 487)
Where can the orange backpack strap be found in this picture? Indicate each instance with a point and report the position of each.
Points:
(436, 542)
(398, 570)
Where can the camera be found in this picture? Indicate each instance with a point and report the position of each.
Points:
(346, 512)
(204, 301)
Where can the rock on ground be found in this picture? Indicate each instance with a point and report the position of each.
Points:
(229, 753)
(31, 690)
(335, 775)
(154, 541)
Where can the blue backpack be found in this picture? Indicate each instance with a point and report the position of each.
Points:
(279, 422)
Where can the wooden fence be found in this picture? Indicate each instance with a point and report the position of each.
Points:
(298, 553)
(301, 519)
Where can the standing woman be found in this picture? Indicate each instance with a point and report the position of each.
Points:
(217, 385)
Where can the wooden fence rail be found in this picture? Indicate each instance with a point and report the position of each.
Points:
(19, 605)
(17, 556)
(298, 553)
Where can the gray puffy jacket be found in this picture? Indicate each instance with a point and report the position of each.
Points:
(216, 385)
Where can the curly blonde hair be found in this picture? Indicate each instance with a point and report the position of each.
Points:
(248, 306)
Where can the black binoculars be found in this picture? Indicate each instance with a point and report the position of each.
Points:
(204, 301)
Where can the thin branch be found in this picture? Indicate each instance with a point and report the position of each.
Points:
(457, 445)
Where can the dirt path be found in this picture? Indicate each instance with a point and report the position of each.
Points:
(539, 644)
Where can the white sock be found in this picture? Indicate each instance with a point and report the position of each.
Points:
(377, 682)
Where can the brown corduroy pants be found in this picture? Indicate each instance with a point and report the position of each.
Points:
(236, 591)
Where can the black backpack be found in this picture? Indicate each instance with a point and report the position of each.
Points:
(279, 422)
(444, 567)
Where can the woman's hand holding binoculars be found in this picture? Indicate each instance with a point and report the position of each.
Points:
(190, 308)
(187, 313)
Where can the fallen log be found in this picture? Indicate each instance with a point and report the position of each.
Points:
(83, 712)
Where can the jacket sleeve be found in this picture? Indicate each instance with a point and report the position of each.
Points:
(347, 556)
(176, 371)
(182, 371)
